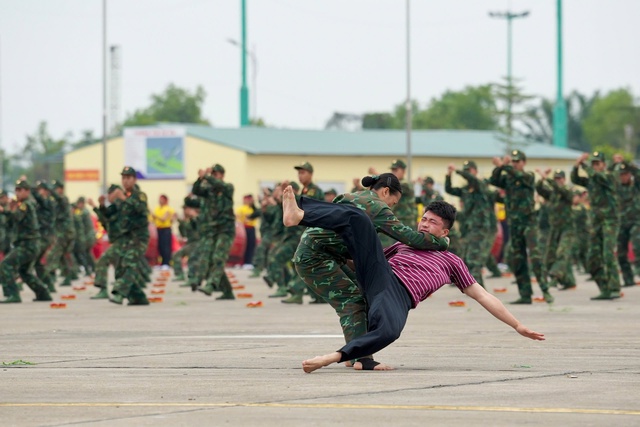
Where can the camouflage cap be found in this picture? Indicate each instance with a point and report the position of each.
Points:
(57, 184)
(398, 164)
(559, 173)
(114, 187)
(331, 191)
(597, 156)
(469, 164)
(43, 184)
(517, 155)
(21, 183)
(304, 166)
(622, 168)
(81, 199)
(192, 202)
(217, 168)
(128, 170)
(429, 180)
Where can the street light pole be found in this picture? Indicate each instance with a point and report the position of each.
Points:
(409, 109)
(244, 91)
(254, 73)
(560, 109)
(104, 97)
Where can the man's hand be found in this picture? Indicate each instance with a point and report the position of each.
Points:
(497, 162)
(373, 171)
(582, 158)
(451, 169)
(101, 199)
(201, 173)
(507, 160)
(90, 202)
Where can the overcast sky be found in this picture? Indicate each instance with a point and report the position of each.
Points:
(314, 56)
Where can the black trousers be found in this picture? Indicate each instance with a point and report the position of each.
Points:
(251, 245)
(387, 299)
(164, 245)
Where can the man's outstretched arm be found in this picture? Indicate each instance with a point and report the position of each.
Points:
(494, 306)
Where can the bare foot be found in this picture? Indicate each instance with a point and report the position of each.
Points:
(291, 213)
(318, 362)
(348, 364)
(379, 367)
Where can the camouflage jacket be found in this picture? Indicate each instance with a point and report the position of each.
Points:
(475, 199)
(64, 220)
(188, 229)
(559, 202)
(84, 226)
(580, 216)
(24, 222)
(313, 191)
(406, 209)
(519, 186)
(629, 197)
(46, 211)
(111, 220)
(134, 213)
(383, 220)
(217, 203)
(602, 192)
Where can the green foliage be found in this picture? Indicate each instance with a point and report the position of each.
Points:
(174, 105)
(614, 121)
(511, 101)
(609, 151)
(42, 156)
(378, 121)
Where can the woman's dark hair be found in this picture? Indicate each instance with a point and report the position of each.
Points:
(387, 180)
(444, 210)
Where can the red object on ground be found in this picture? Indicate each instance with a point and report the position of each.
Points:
(497, 243)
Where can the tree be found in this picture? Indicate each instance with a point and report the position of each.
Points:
(539, 120)
(511, 100)
(42, 155)
(614, 120)
(174, 105)
(474, 107)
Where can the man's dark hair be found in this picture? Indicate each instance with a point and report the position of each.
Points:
(444, 210)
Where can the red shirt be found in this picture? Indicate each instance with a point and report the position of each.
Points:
(424, 272)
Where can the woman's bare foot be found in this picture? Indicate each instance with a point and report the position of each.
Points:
(379, 367)
(318, 362)
(291, 213)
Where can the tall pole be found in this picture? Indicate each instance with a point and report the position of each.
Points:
(409, 112)
(104, 97)
(560, 109)
(244, 91)
(1, 149)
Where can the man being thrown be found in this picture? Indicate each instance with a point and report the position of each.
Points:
(393, 281)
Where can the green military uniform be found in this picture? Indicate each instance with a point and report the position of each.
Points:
(405, 210)
(133, 214)
(519, 204)
(5, 236)
(24, 220)
(188, 229)
(46, 212)
(629, 199)
(601, 260)
(477, 208)
(561, 235)
(491, 263)
(88, 240)
(267, 226)
(217, 233)
(59, 256)
(580, 216)
(321, 254)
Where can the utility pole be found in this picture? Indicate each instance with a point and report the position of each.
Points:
(509, 16)
(114, 86)
(104, 97)
(560, 109)
(1, 149)
(409, 109)
(244, 91)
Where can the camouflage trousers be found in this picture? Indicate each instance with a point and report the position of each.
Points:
(279, 271)
(601, 259)
(579, 252)
(40, 267)
(557, 259)
(213, 248)
(83, 255)
(523, 240)
(19, 262)
(261, 254)
(629, 233)
(59, 257)
(455, 243)
(491, 263)
(185, 251)
(325, 278)
(129, 281)
(109, 257)
(475, 251)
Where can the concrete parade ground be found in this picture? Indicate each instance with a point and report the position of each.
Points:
(193, 361)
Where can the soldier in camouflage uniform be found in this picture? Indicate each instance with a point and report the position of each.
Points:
(580, 216)
(217, 231)
(406, 209)
(5, 238)
(23, 218)
(268, 208)
(59, 256)
(45, 209)
(188, 228)
(429, 193)
(86, 242)
(491, 263)
(321, 253)
(628, 191)
(112, 223)
(477, 207)
(509, 174)
(561, 235)
(601, 260)
(133, 212)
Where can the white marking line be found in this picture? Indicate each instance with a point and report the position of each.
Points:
(251, 337)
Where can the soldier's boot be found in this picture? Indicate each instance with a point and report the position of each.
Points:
(293, 299)
(51, 287)
(317, 300)
(226, 295)
(280, 293)
(548, 297)
(255, 273)
(11, 299)
(522, 300)
(602, 296)
(137, 297)
(567, 287)
(207, 289)
(194, 284)
(66, 282)
(615, 294)
(116, 298)
(42, 294)
(102, 294)
(178, 277)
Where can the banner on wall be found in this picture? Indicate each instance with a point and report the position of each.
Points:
(155, 153)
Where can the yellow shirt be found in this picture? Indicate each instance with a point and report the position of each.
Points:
(243, 213)
(160, 212)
